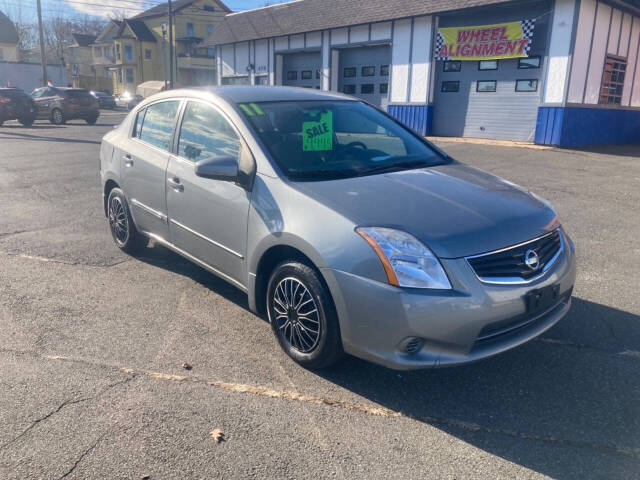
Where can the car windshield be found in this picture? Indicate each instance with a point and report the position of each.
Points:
(323, 140)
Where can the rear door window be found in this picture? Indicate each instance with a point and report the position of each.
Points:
(157, 126)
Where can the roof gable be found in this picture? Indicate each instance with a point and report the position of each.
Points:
(137, 28)
(163, 9)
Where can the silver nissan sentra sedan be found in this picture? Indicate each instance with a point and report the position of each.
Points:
(349, 231)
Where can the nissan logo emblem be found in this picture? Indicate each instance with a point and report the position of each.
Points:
(531, 259)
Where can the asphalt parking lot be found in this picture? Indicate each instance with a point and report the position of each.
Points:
(92, 346)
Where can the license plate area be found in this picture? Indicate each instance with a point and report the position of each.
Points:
(541, 299)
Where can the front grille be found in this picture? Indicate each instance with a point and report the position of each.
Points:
(510, 263)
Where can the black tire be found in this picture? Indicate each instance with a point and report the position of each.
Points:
(26, 122)
(91, 120)
(57, 117)
(120, 219)
(295, 331)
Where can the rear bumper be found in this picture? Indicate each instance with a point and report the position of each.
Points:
(81, 112)
(472, 321)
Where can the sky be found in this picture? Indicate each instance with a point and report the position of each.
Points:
(108, 8)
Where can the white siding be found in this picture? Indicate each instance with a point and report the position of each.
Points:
(559, 47)
(227, 60)
(599, 45)
(314, 39)
(420, 58)
(242, 58)
(614, 32)
(262, 56)
(339, 36)
(359, 34)
(400, 60)
(381, 31)
(580, 64)
(624, 35)
(282, 43)
(296, 41)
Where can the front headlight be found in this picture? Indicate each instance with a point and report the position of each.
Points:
(406, 261)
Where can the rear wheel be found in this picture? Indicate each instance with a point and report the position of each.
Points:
(123, 230)
(57, 117)
(91, 120)
(302, 316)
(27, 122)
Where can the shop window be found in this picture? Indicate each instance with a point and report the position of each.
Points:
(529, 62)
(484, 86)
(488, 65)
(349, 72)
(349, 89)
(613, 80)
(306, 75)
(368, 71)
(452, 66)
(384, 88)
(384, 70)
(450, 86)
(526, 85)
(367, 88)
(292, 75)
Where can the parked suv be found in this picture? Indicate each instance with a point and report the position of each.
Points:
(62, 104)
(15, 104)
(105, 100)
(348, 230)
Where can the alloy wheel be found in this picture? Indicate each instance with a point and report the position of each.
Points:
(57, 116)
(296, 314)
(118, 221)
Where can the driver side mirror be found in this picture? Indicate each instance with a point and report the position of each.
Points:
(218, 168)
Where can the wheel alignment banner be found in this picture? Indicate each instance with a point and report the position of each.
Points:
(485, 42)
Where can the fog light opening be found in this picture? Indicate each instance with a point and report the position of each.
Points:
(411, 345)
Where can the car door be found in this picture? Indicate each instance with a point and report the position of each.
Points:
(208, 218)
(42, 98)
(144, 163)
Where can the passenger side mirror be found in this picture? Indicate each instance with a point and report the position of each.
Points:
(218, 168)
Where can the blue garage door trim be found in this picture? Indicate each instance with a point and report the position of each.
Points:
(576, 126)
(417, 117)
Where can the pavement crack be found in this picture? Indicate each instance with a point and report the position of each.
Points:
(368, 409)
(81, 457)
(64, 404)
(62, 262)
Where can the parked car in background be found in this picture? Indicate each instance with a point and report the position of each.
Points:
(60, 104)
(104, 99)
(128, 100)
(15, 104)
(350, 231)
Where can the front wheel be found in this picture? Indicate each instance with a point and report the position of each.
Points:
(302, 316)
(91, 120)
(123, 230)
(26, 122)
(57, 117)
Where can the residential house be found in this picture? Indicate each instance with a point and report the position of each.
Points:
(141, 45)
(9, 51)
(102, 53)
(79, 56)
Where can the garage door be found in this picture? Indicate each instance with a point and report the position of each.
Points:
(364, 73)
(489, 99)
(302, 69)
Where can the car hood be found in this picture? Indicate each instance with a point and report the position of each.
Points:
(456, 210)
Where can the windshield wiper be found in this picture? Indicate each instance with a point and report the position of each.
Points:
(395, 166)
(310, 175)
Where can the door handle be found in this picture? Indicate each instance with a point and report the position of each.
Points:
(174, 183)
(128, 162)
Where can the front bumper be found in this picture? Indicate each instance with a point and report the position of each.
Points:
(472, 321)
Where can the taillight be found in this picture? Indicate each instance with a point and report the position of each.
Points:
(5, 100)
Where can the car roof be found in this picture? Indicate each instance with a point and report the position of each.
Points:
(246, 94)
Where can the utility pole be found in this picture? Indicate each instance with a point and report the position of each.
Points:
(42, 53)
(170, 45)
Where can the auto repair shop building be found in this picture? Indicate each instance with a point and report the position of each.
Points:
(557, 72)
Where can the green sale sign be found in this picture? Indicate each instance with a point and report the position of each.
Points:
(317, 135)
